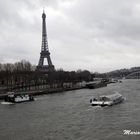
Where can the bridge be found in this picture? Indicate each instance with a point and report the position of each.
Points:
(134, 75)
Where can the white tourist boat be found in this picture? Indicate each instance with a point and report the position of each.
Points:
(11, 97)
(107, 100)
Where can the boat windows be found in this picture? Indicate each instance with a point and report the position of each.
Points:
(104, 99)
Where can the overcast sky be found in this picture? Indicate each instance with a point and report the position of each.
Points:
(97, 35)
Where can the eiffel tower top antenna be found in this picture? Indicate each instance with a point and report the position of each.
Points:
(43, 9)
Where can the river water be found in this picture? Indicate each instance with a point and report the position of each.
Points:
(69, 116)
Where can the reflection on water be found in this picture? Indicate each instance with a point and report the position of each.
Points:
(69, 116)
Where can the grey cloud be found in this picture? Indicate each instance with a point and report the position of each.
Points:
(94, 34)
(111, 17)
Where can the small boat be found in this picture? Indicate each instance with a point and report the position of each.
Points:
(11, 97)
(107, 100)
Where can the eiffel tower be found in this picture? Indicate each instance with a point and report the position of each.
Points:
(45, 50)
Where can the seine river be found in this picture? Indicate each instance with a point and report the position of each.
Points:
(69, 116)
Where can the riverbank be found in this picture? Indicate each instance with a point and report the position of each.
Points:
(43, 92)
(53, 90)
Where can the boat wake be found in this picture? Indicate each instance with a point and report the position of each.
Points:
(94, 108)
(6, 103)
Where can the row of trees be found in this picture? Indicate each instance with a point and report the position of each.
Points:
(12, 75)
(23, 74)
